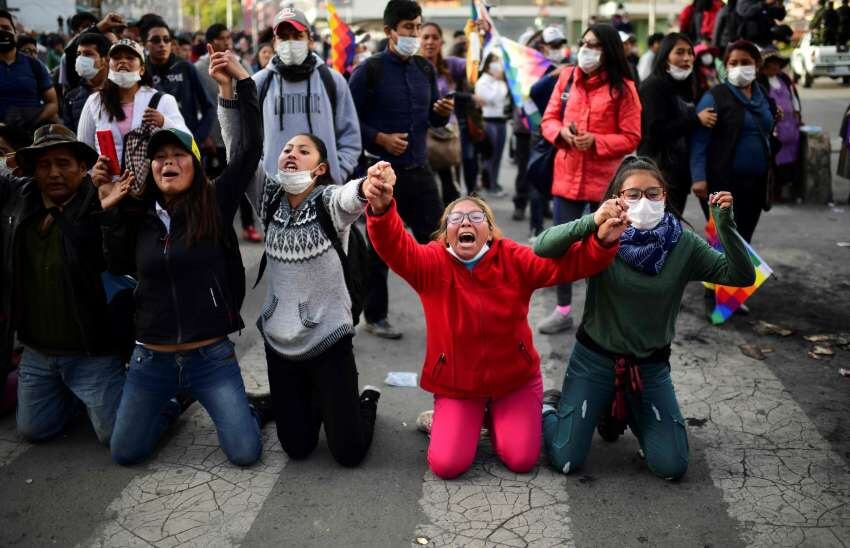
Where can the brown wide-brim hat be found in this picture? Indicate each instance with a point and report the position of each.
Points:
(52, 136)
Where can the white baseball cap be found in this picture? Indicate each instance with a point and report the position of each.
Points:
(553, 35)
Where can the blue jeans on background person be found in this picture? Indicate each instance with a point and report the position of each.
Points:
(496, 131)
(209, 374)
(50, 389)
(588, 390)
(565, 211)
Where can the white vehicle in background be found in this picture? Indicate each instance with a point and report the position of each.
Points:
(808, 61)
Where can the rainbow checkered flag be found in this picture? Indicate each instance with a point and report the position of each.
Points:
(524, 66)
(343, 43)
(728, 299)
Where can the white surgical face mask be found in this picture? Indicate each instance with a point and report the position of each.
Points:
(361, 57)
(85, 67)
(295, 182)
(495, 69)
(742, 76)
(124, 80)
(407, 45)
(645, 214)
(292, 52)
(588, 59)
(554, 55)
(679, 73)
(775, 82)
(706, 58)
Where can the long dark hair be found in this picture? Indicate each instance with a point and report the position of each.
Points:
(442, 66)
(613, 57)
(324, 179)
(110, 95)
(634, 164)
(198, 203)
(668, 44)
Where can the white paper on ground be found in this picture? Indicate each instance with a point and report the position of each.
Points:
(401, 378)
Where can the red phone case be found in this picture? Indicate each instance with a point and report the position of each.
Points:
(107, 148)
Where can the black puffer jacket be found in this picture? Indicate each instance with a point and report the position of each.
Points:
(668, 118)
(189, 293)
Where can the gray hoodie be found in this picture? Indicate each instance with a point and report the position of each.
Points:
(307, 308)
(291, 108)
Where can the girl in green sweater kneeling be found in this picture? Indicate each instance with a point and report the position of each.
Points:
(622, 351)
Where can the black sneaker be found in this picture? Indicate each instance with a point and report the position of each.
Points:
(261, 404)
(609, 428)
(552, 397)
(185, 400)
(370, 395)
(519, 214)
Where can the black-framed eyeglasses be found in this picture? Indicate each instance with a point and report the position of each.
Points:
(653, 194)
(475, 217)
(160, 40)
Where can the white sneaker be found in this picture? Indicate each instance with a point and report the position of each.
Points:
(555, 323)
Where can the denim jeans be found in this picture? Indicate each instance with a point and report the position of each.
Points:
(565, 211)
(588, 391)
(211, 375)
(50, 389)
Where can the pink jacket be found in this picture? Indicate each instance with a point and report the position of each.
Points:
(614, 122)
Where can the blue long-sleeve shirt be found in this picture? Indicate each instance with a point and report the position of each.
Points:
(402, 102)
(750, 152)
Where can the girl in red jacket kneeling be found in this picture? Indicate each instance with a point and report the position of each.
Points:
(475, 287)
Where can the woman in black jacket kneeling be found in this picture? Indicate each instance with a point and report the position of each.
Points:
(183, 250)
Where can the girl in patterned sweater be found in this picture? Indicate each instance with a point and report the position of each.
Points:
(306, 321)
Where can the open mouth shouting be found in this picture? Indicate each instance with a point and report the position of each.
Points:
(290, 165)
(466, 238)
(170, 174)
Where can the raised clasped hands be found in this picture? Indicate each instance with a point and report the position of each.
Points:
(611, 221)
(378, 186)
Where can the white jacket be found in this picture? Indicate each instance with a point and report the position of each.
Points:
(495, 95)
(94, 118)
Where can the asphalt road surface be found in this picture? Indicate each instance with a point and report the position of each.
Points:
(769, 440)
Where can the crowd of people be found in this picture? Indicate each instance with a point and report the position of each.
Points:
(124, 169)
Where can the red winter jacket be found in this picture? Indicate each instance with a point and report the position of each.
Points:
(479, 342)
(614, 122)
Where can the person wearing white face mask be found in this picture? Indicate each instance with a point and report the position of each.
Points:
(619, 371)
(124, 102)
(307, 321)
(593, 118)
(492, 89)
(299, 93)
(92, 66)
(735, 153)
(669, 118)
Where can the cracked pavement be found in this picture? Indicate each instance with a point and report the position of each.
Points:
(769, 444)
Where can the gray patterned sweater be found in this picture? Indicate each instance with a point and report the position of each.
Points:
(307, 308)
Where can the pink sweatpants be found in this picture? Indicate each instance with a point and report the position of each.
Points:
(515, 430)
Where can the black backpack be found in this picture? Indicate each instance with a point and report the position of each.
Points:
(355, 264)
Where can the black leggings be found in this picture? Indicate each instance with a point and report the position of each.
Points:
(321, 390)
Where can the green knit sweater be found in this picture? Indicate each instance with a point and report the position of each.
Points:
(632, 313)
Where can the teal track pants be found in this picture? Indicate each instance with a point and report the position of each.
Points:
(587, 393)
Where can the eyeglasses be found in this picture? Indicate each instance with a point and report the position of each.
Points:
(160, 40)
(652, 194)
(475, 217)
